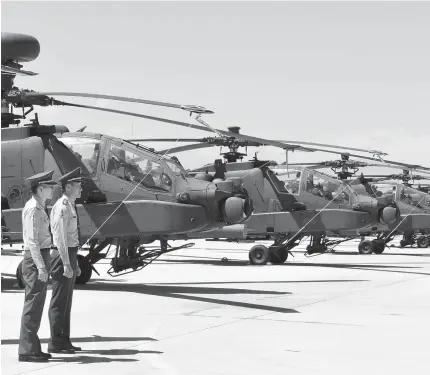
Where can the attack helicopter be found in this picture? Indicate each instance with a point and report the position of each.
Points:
(138, 196)
(383, 212)
(412, 203)
(331, 213)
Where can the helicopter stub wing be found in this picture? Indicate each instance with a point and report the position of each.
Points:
(132, 218)
(413, 221)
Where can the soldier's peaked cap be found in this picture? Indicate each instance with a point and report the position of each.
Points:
(43, 178)
(72, 176)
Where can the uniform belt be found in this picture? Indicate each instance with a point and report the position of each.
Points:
(44, 249)
(73, 248)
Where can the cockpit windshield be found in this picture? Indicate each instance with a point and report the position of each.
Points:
(414, 197)
(85, 149)
(326, 187)
(291, 179)
(384, 189)
(175, 167)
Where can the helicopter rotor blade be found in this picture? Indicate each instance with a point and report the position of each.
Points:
(12, 71)
(262, 141)
(404, 165)
(323, 165)
(374, 152)
(188, 108)
(195, 146)
(166, 140)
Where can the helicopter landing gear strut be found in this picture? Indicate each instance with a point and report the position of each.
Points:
(319, 244)
(409, 239)
(129, 255)
(276, 253)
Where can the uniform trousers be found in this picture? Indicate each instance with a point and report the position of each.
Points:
(34, 302)
(61, 301)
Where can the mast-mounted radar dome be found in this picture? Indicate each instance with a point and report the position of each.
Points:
(19, 47)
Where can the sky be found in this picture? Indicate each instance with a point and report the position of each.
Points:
(349, 73)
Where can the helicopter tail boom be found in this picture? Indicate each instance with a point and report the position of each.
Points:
(308, 221)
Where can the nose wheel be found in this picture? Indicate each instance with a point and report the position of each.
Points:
(423, 242)
(259, 255)
(365, 247)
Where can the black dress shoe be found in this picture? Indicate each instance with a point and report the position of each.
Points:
(63, 351)
(32, 358)
(45, 355)
(75, 348)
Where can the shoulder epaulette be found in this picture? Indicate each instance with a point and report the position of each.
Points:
(65, 201)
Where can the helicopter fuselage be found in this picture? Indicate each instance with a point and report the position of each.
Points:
(155, 196)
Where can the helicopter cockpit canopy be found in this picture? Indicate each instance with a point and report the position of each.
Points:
(291, 179)
(124, 161)
(414, 197)
(86, 149)
(384, 189)
(299, 180)
(326, 187)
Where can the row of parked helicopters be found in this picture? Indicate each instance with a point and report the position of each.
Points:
(135, 195)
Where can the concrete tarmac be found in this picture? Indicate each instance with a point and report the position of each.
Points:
(189, 313)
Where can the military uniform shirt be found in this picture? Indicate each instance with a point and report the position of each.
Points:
(35, 230)
(64, 227)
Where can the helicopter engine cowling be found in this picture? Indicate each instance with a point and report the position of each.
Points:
(366, 204)
(226, 200)
(204, 177)
(383, 209)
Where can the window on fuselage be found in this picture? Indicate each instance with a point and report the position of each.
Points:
(137, 169)
(87, 150)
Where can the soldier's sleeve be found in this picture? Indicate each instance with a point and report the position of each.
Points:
(32, 223)
(60, 217)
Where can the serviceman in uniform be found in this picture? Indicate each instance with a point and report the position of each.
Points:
(64, 263)
(35, 265)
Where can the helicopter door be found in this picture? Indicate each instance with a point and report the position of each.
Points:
(126, 171)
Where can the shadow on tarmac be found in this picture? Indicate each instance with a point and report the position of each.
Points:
(94, 338)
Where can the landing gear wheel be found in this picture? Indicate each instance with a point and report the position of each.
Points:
(365, 247)
(259, 255)
(18, 274)
(378, 247)
(86, 270)
(277, 255)
(423, 242)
